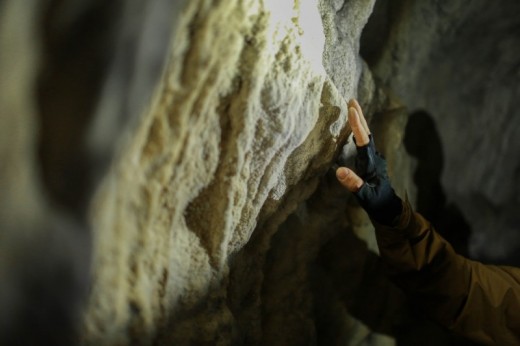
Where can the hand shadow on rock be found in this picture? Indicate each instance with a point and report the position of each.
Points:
(423, 142)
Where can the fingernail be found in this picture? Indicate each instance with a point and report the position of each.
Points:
(342, 173)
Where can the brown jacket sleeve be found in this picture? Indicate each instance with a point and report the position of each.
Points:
(480, 302)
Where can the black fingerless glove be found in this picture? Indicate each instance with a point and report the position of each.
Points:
(376, 196)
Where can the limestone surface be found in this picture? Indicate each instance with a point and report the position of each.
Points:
(166, 174)
(246, 120)
(242, 123)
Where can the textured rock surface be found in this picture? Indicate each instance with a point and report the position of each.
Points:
(241, 126)
(184, 140)
(183, 151)
(458, 61)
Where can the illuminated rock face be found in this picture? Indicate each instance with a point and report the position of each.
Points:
(194, 177)
(242, 125)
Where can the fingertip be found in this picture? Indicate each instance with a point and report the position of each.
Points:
(349, 179)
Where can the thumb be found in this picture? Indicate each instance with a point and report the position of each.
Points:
(349, 179)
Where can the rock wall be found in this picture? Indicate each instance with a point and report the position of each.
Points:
(242, 125)
(166, 175)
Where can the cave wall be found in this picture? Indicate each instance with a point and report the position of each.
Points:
(242, 125)
(167, 172)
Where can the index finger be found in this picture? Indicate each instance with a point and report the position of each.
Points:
(357, 127)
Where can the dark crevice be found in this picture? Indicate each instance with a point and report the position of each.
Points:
(378, 30)
(75, 58)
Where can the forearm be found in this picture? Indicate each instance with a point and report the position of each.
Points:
(424, 265)
(478, 301)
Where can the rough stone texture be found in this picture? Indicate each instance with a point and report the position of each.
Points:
(192, 142)
(240, 128)
(458, 61)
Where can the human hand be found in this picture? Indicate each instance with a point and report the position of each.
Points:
(372, 186)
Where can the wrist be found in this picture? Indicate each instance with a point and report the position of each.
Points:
(390, 213)
(381, 203)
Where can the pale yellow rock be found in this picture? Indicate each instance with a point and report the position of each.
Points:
(237, 121)
(207, 226)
